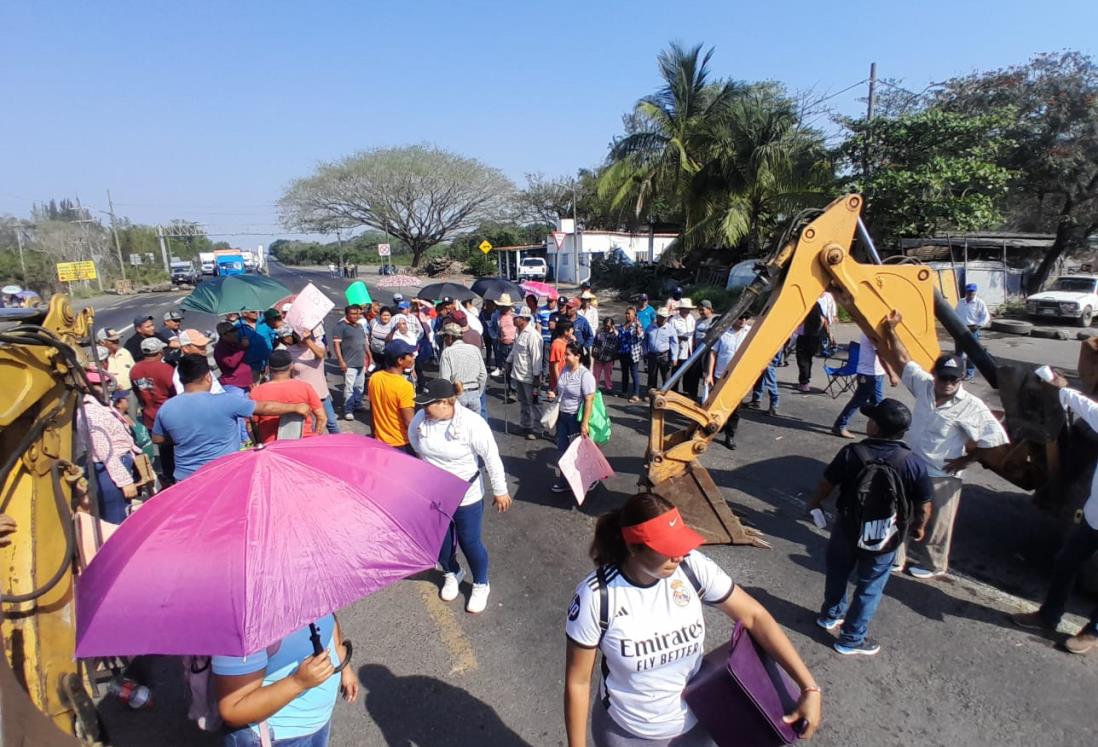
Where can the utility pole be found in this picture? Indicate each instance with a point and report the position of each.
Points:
(575, 235)
(117, 243)
(872, 91)
(163, 250)
(19, 243)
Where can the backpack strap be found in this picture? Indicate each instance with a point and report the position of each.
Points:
(692, 578)
(604, 601)
(604, 625)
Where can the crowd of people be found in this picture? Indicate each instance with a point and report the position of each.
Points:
(417, 373)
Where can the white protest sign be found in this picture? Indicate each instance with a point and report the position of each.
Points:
(308, 309)
(582, 465)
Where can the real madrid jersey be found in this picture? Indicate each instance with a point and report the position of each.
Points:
(653, 644)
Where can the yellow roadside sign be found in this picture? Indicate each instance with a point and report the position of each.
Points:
(70, 271)
(485, 246)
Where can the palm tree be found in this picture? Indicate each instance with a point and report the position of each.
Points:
(762, 167)
(668, 133)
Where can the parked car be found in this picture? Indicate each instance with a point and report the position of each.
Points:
(532, 268)
(1070, 297)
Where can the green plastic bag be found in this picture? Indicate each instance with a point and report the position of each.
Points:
(599, 424)
(143, 440)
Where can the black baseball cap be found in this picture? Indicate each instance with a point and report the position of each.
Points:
(141, 319)
(435, 390)
(891, 416)
(280, 360)
(949, 366)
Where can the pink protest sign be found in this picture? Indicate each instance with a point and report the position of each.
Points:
(308, 309)
(583, 465)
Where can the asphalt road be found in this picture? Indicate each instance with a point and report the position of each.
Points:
(952, 670)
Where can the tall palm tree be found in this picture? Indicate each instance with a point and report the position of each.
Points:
(762, 167)
(668, 132)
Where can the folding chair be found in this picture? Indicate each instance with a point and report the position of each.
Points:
(840, 379)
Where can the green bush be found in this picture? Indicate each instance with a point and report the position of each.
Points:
(721, 298)
(481, 265)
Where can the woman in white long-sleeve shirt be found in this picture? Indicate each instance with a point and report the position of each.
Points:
(453, 438)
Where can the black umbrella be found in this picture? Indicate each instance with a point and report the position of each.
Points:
(492, 288)
(436, 291)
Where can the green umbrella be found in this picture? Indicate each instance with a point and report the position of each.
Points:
(236, 293)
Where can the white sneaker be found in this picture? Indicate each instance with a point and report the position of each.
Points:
(496, 373)
(478, 600)
(449, 590)
(349, 416)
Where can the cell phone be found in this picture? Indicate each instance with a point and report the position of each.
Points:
(818, 518)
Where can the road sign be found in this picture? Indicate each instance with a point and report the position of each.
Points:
(558, 236)
(485, 246)
(383, 250)
(70, 271)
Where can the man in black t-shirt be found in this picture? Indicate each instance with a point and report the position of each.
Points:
(884, 492)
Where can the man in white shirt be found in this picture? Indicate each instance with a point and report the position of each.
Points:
(948, 429)
(720, 357)
(472, 314)
(525, 363)
(973, 314)
(588, 310)
(870, 387)
(1077, 549)
(683, 323)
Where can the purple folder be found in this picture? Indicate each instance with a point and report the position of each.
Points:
(740, 697)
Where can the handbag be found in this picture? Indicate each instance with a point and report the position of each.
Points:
(549, 417)
(741, 694)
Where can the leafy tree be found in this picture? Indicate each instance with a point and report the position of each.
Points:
(1054, 144)
(928, 172)
(420, 194)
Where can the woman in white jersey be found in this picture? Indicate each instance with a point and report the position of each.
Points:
(652, 636)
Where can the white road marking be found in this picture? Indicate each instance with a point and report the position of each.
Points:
(178, 300)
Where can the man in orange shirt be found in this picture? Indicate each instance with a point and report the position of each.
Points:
(282, 388)
(392, 396)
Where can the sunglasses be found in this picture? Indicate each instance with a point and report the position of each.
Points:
(948, 379)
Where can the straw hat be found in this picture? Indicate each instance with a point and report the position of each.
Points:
(504, 300)
(686, 303)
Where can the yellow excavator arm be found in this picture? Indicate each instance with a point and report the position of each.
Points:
(793, 279)
(42, 694)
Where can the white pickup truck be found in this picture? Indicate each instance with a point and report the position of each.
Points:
(1070, 297)
(532, 268)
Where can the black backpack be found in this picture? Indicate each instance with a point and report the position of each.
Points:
(876, 510)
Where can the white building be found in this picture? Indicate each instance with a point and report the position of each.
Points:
(591, 245)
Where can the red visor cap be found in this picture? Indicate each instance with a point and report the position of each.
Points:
(667, 534)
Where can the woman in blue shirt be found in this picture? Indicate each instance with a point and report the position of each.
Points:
(284, 689)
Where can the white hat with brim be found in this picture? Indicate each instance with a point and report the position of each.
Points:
(504, 300)
(686, 303)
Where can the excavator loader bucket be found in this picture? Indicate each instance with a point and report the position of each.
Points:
(704, 509)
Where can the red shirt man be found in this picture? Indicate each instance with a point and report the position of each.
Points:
(282, 388)
(151, 379)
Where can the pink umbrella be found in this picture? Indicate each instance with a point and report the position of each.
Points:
(260, 543)
(542, 289)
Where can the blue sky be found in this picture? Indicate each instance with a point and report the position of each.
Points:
(206, 110)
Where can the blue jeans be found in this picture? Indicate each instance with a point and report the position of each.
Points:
(567, 426)
(354, 379)
(768, 383)
(112, 504)
(869, 572)
(248, 737)
(466, 526)
(330, 411)
(970, 367)
(869, 391)
(630, 372)
(484, 402)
